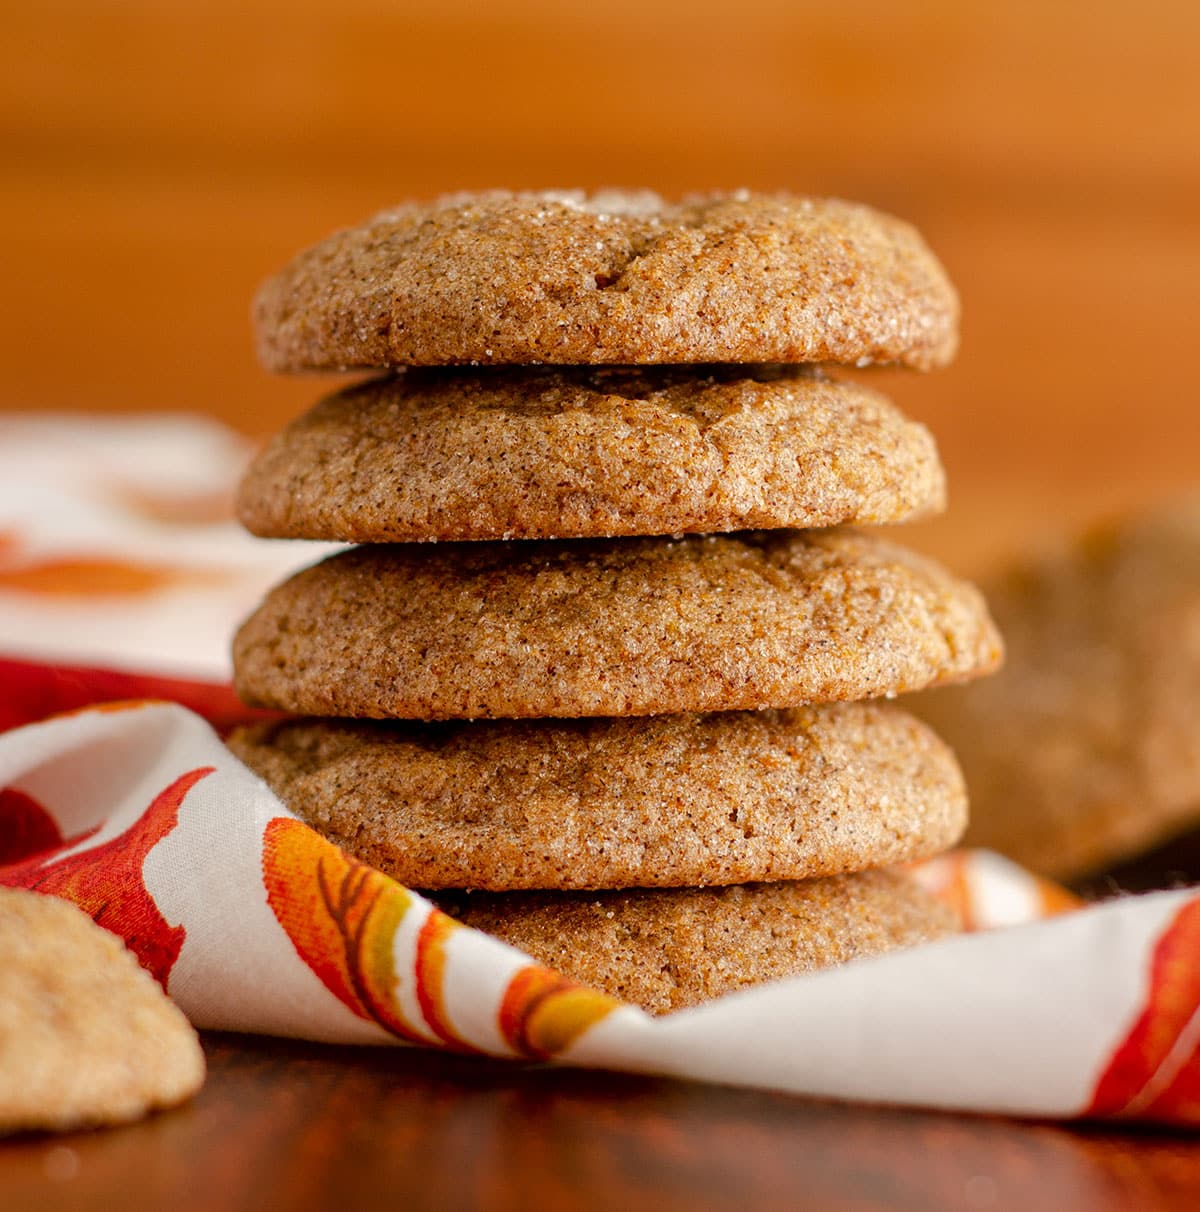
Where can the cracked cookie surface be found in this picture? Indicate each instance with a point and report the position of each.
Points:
(640, 626)
(612, 278)
(590, 453)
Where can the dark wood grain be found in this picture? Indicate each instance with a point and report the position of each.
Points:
(285, 1125)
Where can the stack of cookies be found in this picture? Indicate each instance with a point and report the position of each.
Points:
(599, 673)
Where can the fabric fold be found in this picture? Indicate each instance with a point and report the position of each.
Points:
(137, 812)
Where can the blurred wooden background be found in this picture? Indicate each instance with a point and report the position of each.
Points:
(159, 158)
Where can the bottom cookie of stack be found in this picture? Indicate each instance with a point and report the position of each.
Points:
(598, 840)
(668, 948)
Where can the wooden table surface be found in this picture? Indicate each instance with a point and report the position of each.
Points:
(283, 1125)
(159, 159)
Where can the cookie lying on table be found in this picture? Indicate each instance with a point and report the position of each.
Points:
(86, 1036)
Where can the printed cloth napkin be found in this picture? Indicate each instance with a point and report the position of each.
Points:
(121, 578)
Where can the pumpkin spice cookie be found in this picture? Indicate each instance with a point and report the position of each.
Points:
(590, 453)
(610, 627)
(668, 948)
(666, 801)
(1086, 749)
(86, 1036)
(612, 278)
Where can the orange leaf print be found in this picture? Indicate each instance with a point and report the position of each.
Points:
(341, 916)
(1155, 1072)
(542, 1013)
(953, 878)
(106, 881)
(93, 576)
(431, 976)
(194, 509)
(1056, 899)
(945, 877)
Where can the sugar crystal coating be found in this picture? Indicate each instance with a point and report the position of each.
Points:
(560, 278)
(588, 453)
(610, 627)
(669, 800)
(666, 949)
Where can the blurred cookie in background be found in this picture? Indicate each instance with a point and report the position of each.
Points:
(1084, 753)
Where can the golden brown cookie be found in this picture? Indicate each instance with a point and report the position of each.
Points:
(590, 453)
(610, 627)
(86, 1036)
(1086, 749)
(667, 948)
(613, 278)
(661, 801)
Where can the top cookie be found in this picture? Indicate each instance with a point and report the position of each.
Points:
(566, 278)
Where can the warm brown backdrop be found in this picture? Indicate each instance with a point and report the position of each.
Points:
(158, 159)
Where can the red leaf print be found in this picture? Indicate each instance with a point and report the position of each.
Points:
(26, 828)
(1155, 1072)
(106, 881)
(34, 691)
